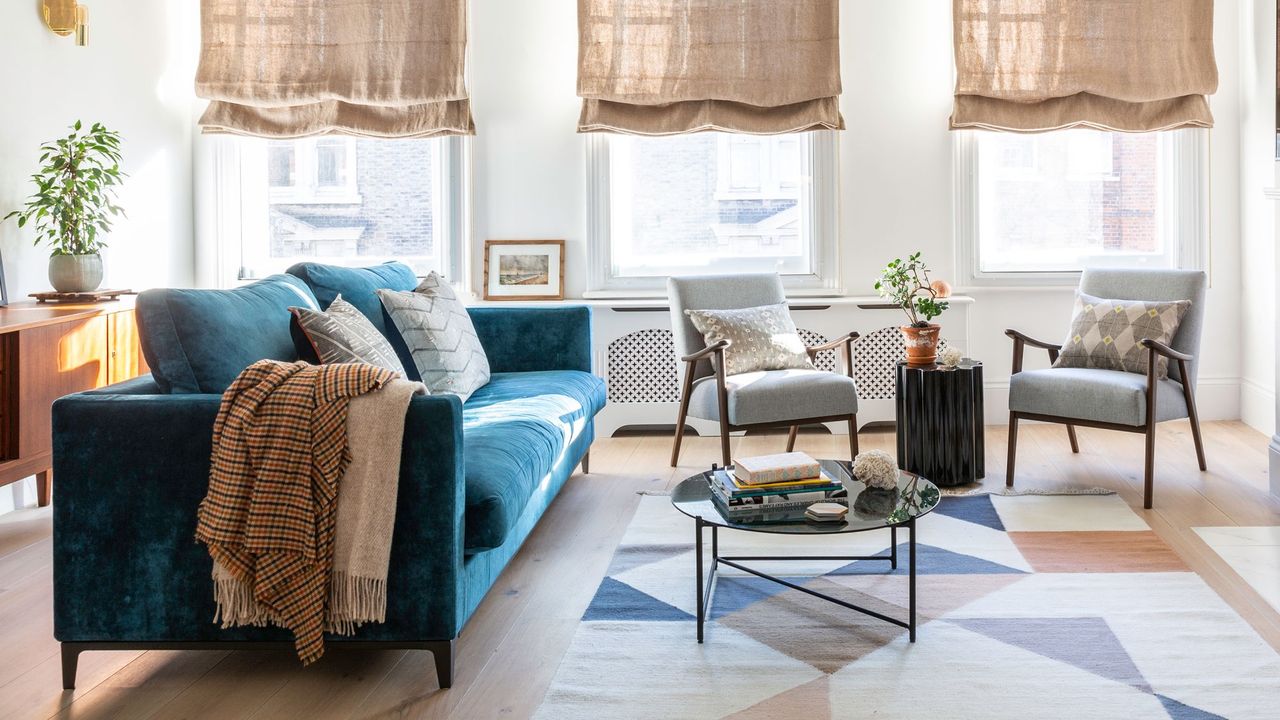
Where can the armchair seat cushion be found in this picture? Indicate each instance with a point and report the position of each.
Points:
(514, 431)
(770, 396)
(1111, 396)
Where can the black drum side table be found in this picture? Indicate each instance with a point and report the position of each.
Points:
(940, 422)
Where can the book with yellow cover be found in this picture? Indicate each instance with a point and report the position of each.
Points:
(782, 467)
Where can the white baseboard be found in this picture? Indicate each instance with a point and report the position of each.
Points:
(1258, 406)
(1217, 398)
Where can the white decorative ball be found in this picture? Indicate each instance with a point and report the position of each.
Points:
(877, 469)
(950, 356)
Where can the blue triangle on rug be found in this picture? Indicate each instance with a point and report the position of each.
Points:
(616, 600)
(1182, 711)
(733, 593)
(929, 561)
(1083, 642)
(977, 509)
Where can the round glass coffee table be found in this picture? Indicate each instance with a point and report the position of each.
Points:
(869, 509)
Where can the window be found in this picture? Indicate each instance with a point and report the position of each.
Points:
(338, 200)
(1043, 207)
(711, 202)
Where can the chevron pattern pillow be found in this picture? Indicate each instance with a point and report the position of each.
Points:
(440, 337)
(342, 334)
(1107, 334)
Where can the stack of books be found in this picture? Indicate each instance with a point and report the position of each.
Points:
(774, 485)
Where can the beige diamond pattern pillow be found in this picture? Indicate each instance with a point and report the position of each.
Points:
(438, 332)
(762, 338)
(1106, 334)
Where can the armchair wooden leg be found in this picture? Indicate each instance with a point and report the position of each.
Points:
(1013, 450)
(1148, 473)
(682, 416)
(791, 438)
(853, 437)
(724, 442)
(1071, 435)
(1192, 415)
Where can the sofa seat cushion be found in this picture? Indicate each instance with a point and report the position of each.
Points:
(776, 396)
(514, 429)
(1112, 396)
(198, 341)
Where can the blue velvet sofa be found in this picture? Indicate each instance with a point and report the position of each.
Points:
(132, 464)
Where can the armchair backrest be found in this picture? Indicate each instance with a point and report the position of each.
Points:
(716, 292)
(1158, 285)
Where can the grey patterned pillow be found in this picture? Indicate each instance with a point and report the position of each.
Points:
(440, 337)
(1105, 334)
(762, 338)
(342, 334)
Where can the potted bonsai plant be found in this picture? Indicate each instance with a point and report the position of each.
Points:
(74, 204)
(906, 284)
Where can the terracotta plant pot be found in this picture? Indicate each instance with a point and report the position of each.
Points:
(922, 343)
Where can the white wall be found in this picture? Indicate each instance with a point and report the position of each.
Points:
(895, 165)
(135, 77)
(1257, 50)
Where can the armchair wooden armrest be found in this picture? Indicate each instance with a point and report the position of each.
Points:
(845, 342)
(1021, 340)
(1156, 346)
(714, 348)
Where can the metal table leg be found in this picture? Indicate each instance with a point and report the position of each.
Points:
(911, 582)
(702, 611)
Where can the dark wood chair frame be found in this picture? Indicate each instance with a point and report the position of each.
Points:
(1154, 348)
(844, 343)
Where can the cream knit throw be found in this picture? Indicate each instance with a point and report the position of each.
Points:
(365, 519)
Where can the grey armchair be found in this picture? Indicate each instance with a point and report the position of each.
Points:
(1112, 399)
(749, 401)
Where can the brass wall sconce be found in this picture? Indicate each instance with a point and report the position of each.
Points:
(67, 17)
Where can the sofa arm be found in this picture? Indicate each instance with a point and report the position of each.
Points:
(130, 469)
(532, 339)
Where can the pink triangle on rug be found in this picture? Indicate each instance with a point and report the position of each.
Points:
(811, 701)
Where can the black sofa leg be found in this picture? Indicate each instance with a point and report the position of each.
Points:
(443, 652)
(70, 659)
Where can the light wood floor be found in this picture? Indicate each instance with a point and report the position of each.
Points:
(511, 647)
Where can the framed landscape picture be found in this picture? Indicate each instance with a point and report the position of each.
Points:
(524, 270)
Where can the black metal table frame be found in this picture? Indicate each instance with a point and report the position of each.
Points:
(707, 581)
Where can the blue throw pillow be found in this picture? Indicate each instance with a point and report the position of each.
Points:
(198, 341)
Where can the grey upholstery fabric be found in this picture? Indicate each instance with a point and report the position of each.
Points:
(716, 292)
(776, 396)
(1158, 285)
(1112, 396)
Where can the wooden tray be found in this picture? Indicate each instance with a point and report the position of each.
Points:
(91, 296)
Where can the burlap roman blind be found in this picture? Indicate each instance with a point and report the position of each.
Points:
(1039, 65)
(663, 67)
(375, 68)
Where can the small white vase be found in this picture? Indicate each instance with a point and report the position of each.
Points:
(75, 273)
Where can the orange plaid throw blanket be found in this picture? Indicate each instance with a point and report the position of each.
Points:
(279, 450)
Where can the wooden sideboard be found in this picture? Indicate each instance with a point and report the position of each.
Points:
(47, 351)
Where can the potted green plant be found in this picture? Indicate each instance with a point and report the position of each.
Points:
(74, 204)
(906, 284)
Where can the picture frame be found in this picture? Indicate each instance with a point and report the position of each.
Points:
(524, 270)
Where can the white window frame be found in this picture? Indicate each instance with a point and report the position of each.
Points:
(234, 192)
(822, 220)
(306, 189)
(1186, 219)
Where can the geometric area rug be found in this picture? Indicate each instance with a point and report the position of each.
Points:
(1028, 607)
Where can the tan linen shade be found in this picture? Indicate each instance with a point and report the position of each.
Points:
(1040, 65)
(374, 68)
(665, 67)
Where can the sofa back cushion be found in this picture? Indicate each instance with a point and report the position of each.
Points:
(198, 341)
(357, 286)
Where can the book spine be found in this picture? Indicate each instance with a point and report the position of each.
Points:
(737, 510)
(726, 485)
(778, 474)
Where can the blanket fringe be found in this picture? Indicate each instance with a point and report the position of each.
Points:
(354, 601)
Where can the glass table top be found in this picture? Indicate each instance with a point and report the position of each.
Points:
(869, 508)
